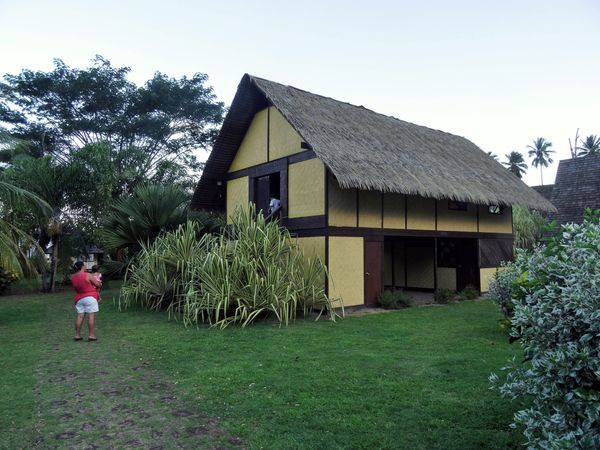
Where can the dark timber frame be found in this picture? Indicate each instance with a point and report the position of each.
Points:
(492, 246)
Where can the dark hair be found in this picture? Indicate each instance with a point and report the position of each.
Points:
(78, 265)
(94, 269)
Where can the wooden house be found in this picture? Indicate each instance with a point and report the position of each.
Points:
(385, 203)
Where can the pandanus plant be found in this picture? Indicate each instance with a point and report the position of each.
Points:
(254, 270)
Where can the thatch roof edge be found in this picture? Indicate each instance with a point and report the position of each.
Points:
(345, 156)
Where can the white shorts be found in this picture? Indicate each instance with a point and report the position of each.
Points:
(86, 305)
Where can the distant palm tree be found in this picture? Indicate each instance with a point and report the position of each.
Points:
(590, 146)
(516, 164)
(540, 153)
(493, 155)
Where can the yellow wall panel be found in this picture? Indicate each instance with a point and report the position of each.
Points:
(283, 139)
(237, 195)
(419, 267)
(306, 188)
(313, 246)
(342, 205)
(485, 276)
(449, 220)
(446, 278)
(421, 213)
(253, 149)
(393, 211)
(346, 269)
(495, 223)
(369, 209)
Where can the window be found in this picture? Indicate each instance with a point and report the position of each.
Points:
(495, 209)
(457, 206)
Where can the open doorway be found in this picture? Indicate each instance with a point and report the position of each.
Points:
(460, 254)
(409, 263)
(266, 187)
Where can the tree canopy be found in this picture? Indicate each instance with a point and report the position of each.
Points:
(83, 139)
(154, 129)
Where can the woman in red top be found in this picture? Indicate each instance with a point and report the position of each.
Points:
(86, 300)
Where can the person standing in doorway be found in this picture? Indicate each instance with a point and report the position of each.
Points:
(86, 300)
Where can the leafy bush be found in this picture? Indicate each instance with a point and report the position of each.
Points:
(443, 296)
(209, 222)
(502, 285)
(468, 293)
(556, 316)
(24, 286)
(394, 300)
(255, 270)
(7, 277)
(528, 227)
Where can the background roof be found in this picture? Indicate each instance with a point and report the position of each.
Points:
(577, 187)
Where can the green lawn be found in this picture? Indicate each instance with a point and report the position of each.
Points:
(415, 378)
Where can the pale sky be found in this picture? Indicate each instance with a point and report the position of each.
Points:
(500, 73)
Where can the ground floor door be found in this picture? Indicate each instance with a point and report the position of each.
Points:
(467, 268)
(373, 271)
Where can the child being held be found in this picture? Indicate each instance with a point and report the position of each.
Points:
(98, 276)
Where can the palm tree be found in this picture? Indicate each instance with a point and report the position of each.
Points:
(540, 153)
(52, 183)
(590, 146)
(15, 243)
(516, 163)
(140, 218)
(492, 155)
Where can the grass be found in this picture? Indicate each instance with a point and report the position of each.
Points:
(415, 378)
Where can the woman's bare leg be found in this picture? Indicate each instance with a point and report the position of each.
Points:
(78, 323)
(91, 323)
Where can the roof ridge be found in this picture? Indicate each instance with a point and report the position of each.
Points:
(253, 77)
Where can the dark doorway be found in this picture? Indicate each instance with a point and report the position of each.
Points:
(266, 187)
(467, 269)
(373, 271)
(461, 254)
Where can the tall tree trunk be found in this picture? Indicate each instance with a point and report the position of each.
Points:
(541, 174)
(43, 241)
(54, 262)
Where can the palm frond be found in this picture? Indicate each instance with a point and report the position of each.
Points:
(11, 195)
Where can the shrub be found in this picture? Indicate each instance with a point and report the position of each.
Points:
(255, 270)
(443, 296)
(468, 293)
(24, 286)
(394, 300)
(557, 318)
(7, 277)
(502, 285)
(528, 226)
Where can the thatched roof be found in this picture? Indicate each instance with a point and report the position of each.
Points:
(367, 150)
(577, 187)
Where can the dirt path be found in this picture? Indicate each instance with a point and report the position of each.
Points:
(101, 395)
